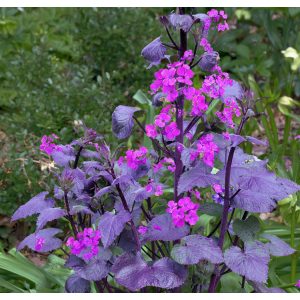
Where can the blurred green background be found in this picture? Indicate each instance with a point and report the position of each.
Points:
(61, 67)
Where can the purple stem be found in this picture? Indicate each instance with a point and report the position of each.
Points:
(179, 116)
(216, 276)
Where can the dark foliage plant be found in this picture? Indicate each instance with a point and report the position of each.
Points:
(125, 232)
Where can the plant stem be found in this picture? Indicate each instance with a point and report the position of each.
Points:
(125, 205)
(294, 256)
(216, 276)
(70, 217)
(179, 116)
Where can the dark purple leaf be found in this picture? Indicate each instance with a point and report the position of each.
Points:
(233, 91)
(183, 22)
(127, 241)
(76, 284)
(64, 156)
(251, 263)
(256, 141)
(254, 201)
(277, 246)
(122, 179)
(34, 206)
(122, 121)
(208, 61)
(235, 140)
(199, 176)
(111, 226)
(103, 191)
(154, 52)
(49, 214)
(50, 242)
(134, 273)
(74, 261)
(162, 228)
(95, 269)
(195, 248)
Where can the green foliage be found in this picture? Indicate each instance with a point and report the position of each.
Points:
(18, 274)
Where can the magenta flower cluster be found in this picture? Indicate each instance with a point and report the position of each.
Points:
(86, 244)
(47, 144)
(185, 210)
(206, 149)
(134, 158)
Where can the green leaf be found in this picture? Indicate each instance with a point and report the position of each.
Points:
(141, 98)
(246, 230)
(211, 209)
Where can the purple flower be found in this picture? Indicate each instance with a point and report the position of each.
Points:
(142, 230)
(298, 283)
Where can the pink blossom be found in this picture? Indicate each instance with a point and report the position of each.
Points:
(136, 158)
(298, 283)
(230, 110)
(171, 131)
(207, 149)
(39, 243)
(142, 230)
(191, 217)
(151, 131)
(158, 191)
(172, 206)
(162, 119)
(156, 227)
(86, 244)
(47, 144)
(188, 55)
(206, 45)
(217, 188)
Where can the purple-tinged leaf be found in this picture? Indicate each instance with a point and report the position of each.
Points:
(256, 141)
(132, 272)
(74, 261)
(50, 242)
(96, 269)
(122, 179)
(183, 22)
(49, 214)
(254, 201)
(76, 208)
(233, 91)
(277, 246)
(34, 206)
(127, 241)
(103, 191)
(154, 52)
(236, 139)
(199, 176)
(90, 154)
(162, 228)
(195, 248)
(111, 226)
(261, 288)
(64, 156)
(92, 167)
(122, 121)
(208, 61)
(251, 263)
(76, 284)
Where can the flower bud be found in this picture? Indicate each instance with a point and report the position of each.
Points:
(157, 99)
(208, 61)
